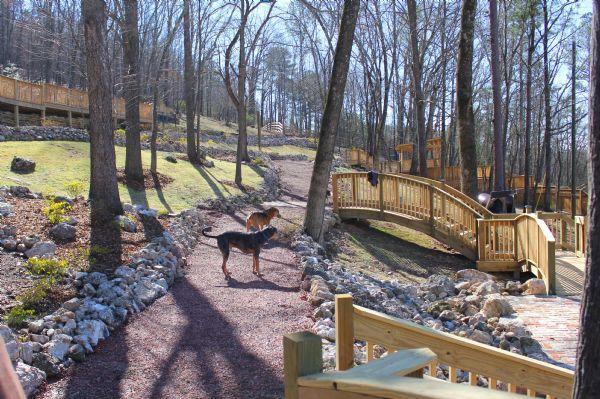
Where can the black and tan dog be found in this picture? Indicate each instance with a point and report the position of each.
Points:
(249, 243)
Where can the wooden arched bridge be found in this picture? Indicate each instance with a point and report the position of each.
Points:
(499, 243)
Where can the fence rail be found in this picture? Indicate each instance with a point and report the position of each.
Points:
(502, 369)
(561, 202)
(48, 96)
(497, 242)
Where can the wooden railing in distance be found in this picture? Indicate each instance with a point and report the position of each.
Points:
(413, 202)
(580, 235)
(518, 373)
(45, 95)
(562, 226)
(398, 375)
(506, 244)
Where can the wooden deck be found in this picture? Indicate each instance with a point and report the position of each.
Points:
(570, 271)
(44, 97)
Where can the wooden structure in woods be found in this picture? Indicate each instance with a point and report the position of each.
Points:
(498, 242)
(413, 349)
(359, 157)
(44, 97)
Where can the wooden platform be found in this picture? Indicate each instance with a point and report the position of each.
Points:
(570, 272)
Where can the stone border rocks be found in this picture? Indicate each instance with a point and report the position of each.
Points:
(472, 305)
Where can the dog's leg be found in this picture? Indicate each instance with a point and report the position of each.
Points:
(256, 263)
(224, 266)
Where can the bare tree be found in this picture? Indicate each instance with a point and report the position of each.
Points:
(464, 99)
(499, 168)
(189, 84)
(315, 208)
(587, 373)
(104, 192)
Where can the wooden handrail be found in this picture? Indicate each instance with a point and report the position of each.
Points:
(457, 353)
(58, 97)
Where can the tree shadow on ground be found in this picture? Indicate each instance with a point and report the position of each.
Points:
(211, 181)
(226, 353)
(413, 261)
(160, 194)
(106, 250)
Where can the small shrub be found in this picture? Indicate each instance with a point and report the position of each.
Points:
(162, 213)
(259, 161)
(75, 188)
(55, 211)
(17, 316)
(35, 295)
(51, 268)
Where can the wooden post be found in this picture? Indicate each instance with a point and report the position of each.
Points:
(431, 211)
(334, 187)
(443, 197)
(563, 233)
(43, 117)
(302, 355)
(70, 119)
(551, 267)
(344, 332)
(17, 124)
(381, 202)
(527, 209)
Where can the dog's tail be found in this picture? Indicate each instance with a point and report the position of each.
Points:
(204, 230)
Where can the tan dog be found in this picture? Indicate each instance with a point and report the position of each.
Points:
(258, 220)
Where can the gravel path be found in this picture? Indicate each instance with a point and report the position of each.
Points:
(207, 338)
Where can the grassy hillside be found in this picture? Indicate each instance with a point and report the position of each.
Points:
(61, 162)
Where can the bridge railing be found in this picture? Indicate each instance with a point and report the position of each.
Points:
(498, 243)
(421, 202)
(502, 369)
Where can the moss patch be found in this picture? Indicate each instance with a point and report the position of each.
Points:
(60, 163)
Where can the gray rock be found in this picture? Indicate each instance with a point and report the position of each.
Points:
(126, 224)
(534, 286)
(171, 158)
(447, 315)
(473, 275)
(147, 291)
(47, 363)
(30, 241)
(92, 330)
(72, 304)
(9, 244)
(5, 209)
(480, 336)
(88, 290)
(77, 353)
(21, 248)
(41, 249)
(96, 278)
(438, 285)
(30, 378)
(36, 326)
(59, 346)
(22, 165)
(13, 349)
(39, 338)
(63, 232)
(496, 306)
(487, 288)
(27, 350)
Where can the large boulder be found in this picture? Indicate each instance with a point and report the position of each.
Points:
(63, 232)
(5, 209)
(487, 288)
(41, 249)
(534, 286)
(47, 363)
(59, 346)
(30, 378)
(438, 285)
(92, 331)
(22, 165)
(473, 275)
(496, 306)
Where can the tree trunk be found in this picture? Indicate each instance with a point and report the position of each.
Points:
(189, 83)
(587, 372)
(547, 114)
(242, 144)
(131, 92)
(499, 179)
(417, 87)
(317, 194)
(443, 127)
(464, 100)
(104, 192)
(573, 130)
(528, 83)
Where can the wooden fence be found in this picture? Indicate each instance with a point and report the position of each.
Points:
(359, 157)
(497, 242)
(44, 96)
(508, 244)
(502, 369)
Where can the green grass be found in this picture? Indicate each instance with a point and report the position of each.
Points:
(59, 163)
(287, 150)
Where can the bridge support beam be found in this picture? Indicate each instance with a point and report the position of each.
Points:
(70, 119)
(17, 124)
(43, 117)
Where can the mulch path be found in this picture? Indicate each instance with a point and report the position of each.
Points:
(207, 338)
